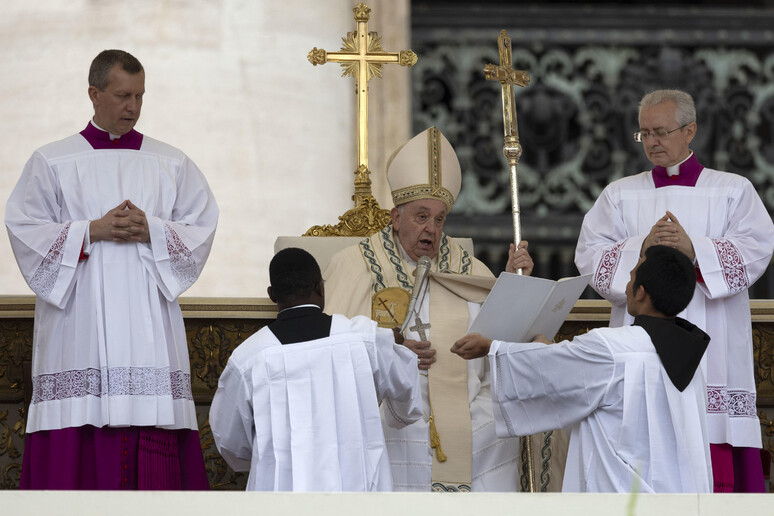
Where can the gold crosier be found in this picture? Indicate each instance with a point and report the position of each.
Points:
(361, 57)
(507, 76)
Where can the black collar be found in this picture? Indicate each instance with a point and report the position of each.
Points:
(680, 346)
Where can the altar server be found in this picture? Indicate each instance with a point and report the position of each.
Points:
(632, 397)
(298, 402)
(109, 227)
(718, 221)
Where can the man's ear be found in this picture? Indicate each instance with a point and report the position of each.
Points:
(321, 292)
(271, 296)
(395, 217)
(640, 295)
(93, 95)
(690, 132)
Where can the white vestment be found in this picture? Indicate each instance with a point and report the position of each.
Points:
(305, 416)
(733, 238)
(349, 288)
(109, 344)
(628, 423)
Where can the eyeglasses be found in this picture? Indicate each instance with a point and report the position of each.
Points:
(641, 136)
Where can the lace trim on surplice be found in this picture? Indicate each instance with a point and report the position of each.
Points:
(44, 279)
(603, 278)
(735, 403)
(181, 259)
(115, 381)
(734, 270)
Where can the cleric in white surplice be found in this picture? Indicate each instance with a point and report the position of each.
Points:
(632, 397)
(298, 402)
(717, 219)
(109, 227)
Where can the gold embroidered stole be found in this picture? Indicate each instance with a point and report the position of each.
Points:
(448, 376)
(449, 296)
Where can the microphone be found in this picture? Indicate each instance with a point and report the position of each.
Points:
(420, 274)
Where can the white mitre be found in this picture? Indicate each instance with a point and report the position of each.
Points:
(426, 167)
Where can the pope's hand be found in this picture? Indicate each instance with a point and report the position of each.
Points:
(423, 351)
(519, 259)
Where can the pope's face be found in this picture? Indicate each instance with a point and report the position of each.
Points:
(117, 107)
(419, 225)
(672, 148)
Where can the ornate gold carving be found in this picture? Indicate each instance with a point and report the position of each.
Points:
(8, 448)
(508, 75)
(505, 74)
(210, 344)
(763, 358)
(768, 437)
(15, 348)
(374, 45)
(219, 474)
(317, 56)
(362, 58)
(407, 58)
(362, 12)
(364, 220)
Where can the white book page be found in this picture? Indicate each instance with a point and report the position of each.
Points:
(520, 307)
(557, 307)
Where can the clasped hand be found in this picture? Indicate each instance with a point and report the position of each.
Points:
(668, 231)
(124, 223)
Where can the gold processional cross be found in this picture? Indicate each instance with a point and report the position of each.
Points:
(507, 76)
(361, 57)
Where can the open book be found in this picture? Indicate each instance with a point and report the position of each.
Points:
(520, 307)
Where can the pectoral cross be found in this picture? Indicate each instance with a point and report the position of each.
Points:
(420, 327)
(508, 77)
(362, 57)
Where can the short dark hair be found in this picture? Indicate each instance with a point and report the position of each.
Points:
(99, 72)
(293, 273)
(669, 278)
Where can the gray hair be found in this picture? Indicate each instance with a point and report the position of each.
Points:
(685, 111)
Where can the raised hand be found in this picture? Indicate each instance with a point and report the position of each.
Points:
(519, 259)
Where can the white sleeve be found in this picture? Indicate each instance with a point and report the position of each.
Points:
(606, 250)
(735, 261)
(231, 419)
(47, 248)
(538, 387)
(179, 247)
(396, 378)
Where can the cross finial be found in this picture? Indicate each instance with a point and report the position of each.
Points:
(361, 57)
(508, 77)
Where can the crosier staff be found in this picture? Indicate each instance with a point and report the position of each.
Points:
(507, 76)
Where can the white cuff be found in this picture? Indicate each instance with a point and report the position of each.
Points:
(87, 239)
